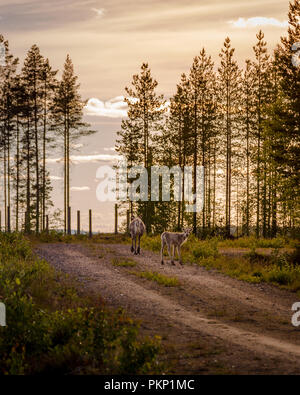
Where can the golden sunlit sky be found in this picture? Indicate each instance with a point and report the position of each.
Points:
(109, 40)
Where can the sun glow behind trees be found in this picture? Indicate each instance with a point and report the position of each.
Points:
(242, 125)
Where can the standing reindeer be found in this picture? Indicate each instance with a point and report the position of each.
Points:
(173, 240)
(136, 228)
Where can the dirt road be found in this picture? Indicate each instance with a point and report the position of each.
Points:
(210, 323)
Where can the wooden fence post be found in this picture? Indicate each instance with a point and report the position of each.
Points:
(25, 223)
(78, 222)
(116, 218)
(8, 219)
(128, 216)
(90, 223)
(69, 220)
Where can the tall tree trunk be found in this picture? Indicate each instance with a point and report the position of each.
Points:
(17, 173)
(37, 172)
(5, 185)
(68, 177)
(65, 175)
(214, 188)
(195, 162)
(28, 182)
(44, 158)
(248, 176)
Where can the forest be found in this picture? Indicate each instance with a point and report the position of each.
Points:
(240, 124)
(91, 304)
(38, 115)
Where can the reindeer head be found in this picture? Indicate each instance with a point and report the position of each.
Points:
(187, 232)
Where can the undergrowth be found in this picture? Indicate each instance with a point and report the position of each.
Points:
(51, 329)
(279, 268)
(158, 278)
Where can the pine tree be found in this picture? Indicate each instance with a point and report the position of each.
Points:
(261, 90)
(67, 113)
(247, 121)
(178, 133)
(49, 84)
(285, 118)
(145, 110)
(31, 75)
(229, 87)
(7, 114)
(202, 81)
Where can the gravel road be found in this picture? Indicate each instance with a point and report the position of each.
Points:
(210, 323)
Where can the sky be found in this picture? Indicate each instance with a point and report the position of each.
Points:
(107, 42)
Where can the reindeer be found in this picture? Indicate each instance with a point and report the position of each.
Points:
(136, 228)
(173, 240)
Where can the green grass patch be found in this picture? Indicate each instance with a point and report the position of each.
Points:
(124, 262)
(54, 236)
(281, 268)
(253, 242)
(275, 269)
(158, 278)
(51, 329)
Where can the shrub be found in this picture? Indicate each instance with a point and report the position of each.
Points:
(204, 249)
(50, 329)
(158, 278)
(124, 262)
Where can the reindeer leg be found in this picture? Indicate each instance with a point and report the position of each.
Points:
(179, 255)
(139, 248)
(173, 253)
(162, 253)
(169, 252)
(132, 249)
(135, 253)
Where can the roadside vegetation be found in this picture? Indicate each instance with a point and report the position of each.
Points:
(54, 236)
(124, 262)
(52, 329)
(281, 267)
(279, 264)
(158, 278)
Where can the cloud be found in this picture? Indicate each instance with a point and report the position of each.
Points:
(55, 178)
(113, 108)
(99, 11)
(75, 159)
(94, 158)
(53, 160)
(80, 189)
(76, 146)
(257, 21)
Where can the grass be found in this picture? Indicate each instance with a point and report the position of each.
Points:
(54, 236)
(253, 242)
(52, 329)
(158, 278)
(276, 269)
(124, 262)
(281, 268)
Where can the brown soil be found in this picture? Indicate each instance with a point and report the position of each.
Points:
(209, 324)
